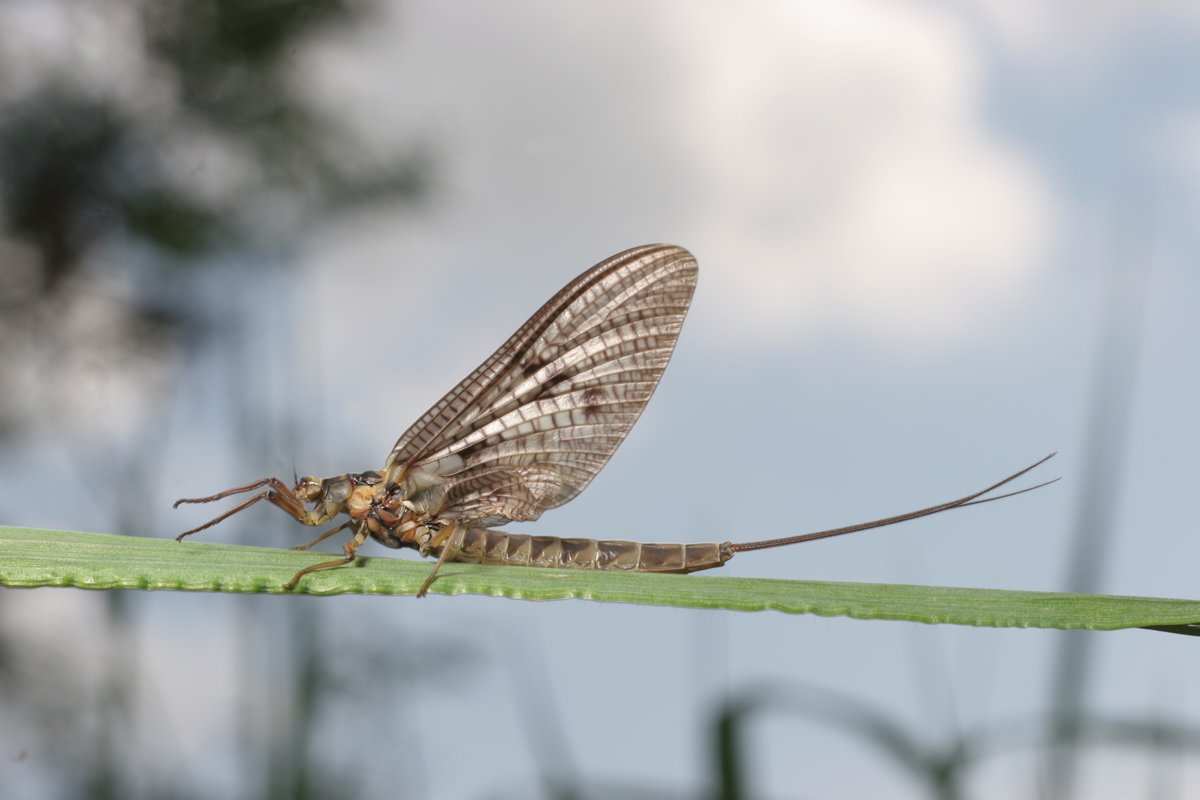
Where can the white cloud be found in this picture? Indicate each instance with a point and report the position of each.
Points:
(845, 159)
(828, 163)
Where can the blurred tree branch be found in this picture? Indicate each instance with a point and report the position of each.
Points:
(111, 189)
(154, 145)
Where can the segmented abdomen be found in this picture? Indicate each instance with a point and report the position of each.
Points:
(483, 546)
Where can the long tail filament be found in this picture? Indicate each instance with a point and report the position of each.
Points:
(970, 500)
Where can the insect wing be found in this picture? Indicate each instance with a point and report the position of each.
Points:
(530, 427)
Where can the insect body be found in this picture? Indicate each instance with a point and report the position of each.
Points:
(527, 431)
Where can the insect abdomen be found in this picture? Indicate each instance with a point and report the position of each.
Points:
(483, 546)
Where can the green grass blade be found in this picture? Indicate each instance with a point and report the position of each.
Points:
(32, 558)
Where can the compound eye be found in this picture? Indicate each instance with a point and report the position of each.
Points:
(309, 487)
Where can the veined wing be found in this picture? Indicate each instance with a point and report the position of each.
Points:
(530, 427)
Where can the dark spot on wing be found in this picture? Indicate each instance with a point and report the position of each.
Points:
(530, 368)
(470, 450)
(555, 380)
(592, 398)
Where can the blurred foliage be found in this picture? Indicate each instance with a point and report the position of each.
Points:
(214, 38)
(149, 149)
(115, 185)
(942, 771)
(63, 160)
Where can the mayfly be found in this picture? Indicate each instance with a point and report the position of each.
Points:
(527, 431)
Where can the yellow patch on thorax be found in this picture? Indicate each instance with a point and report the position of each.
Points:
(360, 501)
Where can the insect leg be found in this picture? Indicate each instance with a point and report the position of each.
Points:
(277, 492)
(274, 483)
(325, 535)
(349, 548)
(450, 549)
